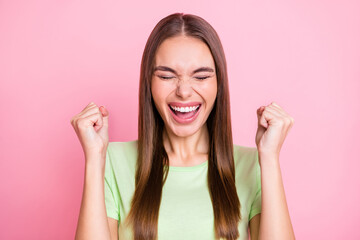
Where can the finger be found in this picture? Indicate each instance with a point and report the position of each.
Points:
(283, 112)
(105, 115)
(104, 111)
(95, 120)
(275, 105)
(81, 114)
(260, 109)
(276, 111)
(91, 110)
(89, 105)
(270, 114)
(272, 108)
(283, 116)
(263, 117)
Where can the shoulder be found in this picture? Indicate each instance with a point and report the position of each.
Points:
(121, 156)
(246, 163)
(245, 155)
(126, 148)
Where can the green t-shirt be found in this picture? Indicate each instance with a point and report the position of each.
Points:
(186, 209)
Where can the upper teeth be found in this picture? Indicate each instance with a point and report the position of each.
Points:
(185, 109)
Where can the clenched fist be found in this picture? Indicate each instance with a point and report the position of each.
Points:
(273, 126)
(91, 127)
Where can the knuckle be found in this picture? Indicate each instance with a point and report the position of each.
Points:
(80, 122)
(73, 120)
(290, 120)
(92, 104)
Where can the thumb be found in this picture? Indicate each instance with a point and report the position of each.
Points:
(261, 119)
(105, 114)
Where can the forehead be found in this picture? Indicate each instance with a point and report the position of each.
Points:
(184, 53)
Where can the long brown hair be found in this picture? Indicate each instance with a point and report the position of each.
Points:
(152, 163)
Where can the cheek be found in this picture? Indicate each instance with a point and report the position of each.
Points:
(208, 90)
(213, 88)
(159, 92)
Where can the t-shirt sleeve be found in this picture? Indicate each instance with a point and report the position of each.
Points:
(111, 205)
(256, 204)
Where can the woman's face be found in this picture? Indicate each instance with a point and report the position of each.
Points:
(184, 84)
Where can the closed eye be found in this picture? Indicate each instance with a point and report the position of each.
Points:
(202, 78)
(163, 77)
(199, 78)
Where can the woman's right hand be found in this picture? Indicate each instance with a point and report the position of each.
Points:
(91, 127)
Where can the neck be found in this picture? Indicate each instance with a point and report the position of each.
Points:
(186, 150)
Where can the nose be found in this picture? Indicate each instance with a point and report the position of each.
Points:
(184, 88)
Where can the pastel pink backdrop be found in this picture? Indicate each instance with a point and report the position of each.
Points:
(57, 56)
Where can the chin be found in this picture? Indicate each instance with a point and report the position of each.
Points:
(185, 131)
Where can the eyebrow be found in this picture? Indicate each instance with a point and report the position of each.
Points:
(201, 69)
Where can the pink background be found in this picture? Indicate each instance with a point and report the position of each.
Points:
(57, 56)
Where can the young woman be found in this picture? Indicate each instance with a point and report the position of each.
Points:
(183, 178)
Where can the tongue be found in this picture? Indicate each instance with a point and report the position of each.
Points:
(185, 115)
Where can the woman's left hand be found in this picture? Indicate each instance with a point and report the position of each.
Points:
(273, 126)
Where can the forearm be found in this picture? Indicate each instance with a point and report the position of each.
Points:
(275, 220)
(93, 223)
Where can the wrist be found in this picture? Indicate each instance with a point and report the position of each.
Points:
(95, 163)
(94, 173)
(90, 153)
(268, 154)
(268, 159)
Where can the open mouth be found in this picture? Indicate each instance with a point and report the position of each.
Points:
(185, 112)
